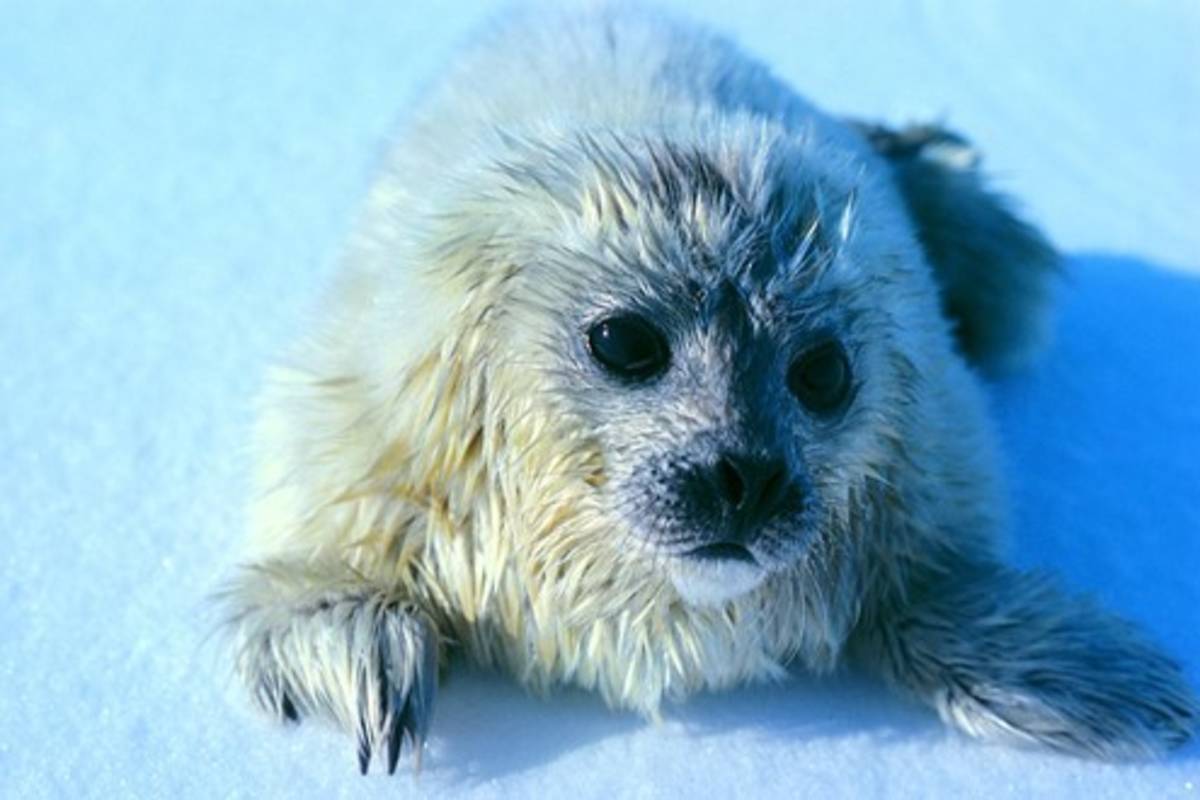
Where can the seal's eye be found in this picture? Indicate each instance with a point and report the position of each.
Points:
(627, 345)
(820, 378)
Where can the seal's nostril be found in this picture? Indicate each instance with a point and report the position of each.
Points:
(752, 487)
(730, 482)
(775, 486)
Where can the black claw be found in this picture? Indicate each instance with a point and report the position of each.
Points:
(395, 739)
(403, 726)
(364, 752)
(405, 715)
(288, 709)
(408, 718)
(364, 758)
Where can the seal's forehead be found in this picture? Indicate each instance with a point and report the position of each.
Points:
(652, 223)
(702, 219)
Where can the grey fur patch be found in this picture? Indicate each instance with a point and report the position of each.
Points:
(1007, 655)
(994, 270)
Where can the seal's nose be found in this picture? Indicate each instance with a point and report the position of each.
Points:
(752, 488)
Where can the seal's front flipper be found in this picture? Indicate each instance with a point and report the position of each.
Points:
(313, 642)
(1006, 655)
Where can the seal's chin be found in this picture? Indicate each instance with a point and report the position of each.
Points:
(713, 574)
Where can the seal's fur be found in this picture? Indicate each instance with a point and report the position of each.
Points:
(443, 466)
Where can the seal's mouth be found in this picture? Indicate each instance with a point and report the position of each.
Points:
(712, 574)
(722, 551)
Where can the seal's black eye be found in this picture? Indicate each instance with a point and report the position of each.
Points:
(627, 345)
(820, 378)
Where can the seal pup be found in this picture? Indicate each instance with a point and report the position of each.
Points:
(642, 374)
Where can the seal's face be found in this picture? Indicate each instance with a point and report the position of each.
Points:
(710, 409)
(711, 357)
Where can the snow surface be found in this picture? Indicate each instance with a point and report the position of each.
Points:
(175, 181)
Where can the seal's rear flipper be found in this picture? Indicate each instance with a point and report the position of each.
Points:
(993, 268)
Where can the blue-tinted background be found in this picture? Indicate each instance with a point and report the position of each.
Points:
(175, 181)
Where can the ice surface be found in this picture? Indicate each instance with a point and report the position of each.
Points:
(175, 181)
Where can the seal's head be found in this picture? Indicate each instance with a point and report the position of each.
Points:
(716, 324)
